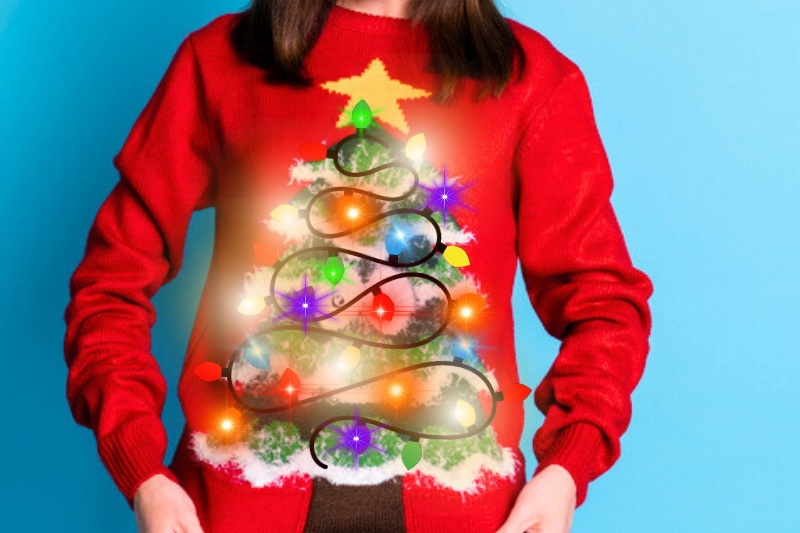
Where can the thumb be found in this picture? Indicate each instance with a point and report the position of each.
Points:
(191, 525)
(511, 526)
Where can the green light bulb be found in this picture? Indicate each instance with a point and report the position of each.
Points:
(334, 269)
(412, 453)
(362, 115)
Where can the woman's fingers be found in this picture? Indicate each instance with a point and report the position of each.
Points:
(162, 506)
(191, 524)
(545, 505)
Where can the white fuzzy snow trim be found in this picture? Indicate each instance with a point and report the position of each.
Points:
(301, 172)
(463, 477)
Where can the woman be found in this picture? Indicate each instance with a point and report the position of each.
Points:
(514, 169)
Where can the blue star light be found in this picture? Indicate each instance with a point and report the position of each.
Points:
(445, 195)
(304, 305)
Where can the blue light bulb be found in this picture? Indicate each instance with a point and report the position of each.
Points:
(464, 347)
(395, 242)
(258, 357)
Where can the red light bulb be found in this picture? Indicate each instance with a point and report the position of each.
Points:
(383, 307)
(208, 371)
(516, 393)
(289, 382)
(314, 151)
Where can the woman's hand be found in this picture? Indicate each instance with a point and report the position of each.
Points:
(162, 506)
(545, 505)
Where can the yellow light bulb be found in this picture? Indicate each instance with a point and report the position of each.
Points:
(456, 256)
(252, 305)
(465, 414)
(285, 213)
(415, 147)
(349, 358)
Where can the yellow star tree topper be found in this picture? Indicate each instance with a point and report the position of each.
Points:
(381, 91)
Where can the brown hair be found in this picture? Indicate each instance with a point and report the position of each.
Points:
(467, 38)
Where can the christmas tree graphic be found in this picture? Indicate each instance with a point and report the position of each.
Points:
(362, 361)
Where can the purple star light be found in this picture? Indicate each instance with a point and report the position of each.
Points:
(356, 438)
(304, 305)
(445, 195)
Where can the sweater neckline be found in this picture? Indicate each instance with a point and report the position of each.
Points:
(359, 21)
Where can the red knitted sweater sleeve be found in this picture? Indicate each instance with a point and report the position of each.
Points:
(134, 246)
(582, 285)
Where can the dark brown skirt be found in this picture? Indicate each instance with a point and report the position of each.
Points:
(355, 508)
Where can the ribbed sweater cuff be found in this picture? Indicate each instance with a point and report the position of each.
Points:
(132, 457)
(575, 449)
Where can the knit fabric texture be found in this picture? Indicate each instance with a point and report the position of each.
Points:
(536, 188)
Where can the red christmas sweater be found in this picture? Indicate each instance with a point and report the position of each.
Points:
(530, 183)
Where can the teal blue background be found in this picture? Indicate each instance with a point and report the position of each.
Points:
(698, 105)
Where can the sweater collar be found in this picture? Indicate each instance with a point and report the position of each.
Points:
(368, 23)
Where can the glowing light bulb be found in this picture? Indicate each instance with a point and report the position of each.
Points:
(352, 208)
(467, 306)
(395, 242)
(252, 305)
(349, 358)
(456, 256)
(334, 269)
(289, 382)
(396, 390)
(464, 347)
(465, 414)
(362, 115)
(257, 357)
(415, 147)
(285, 213)
(383, 306)
(230, 418)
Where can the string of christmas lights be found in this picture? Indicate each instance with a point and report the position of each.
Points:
(305, 304)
